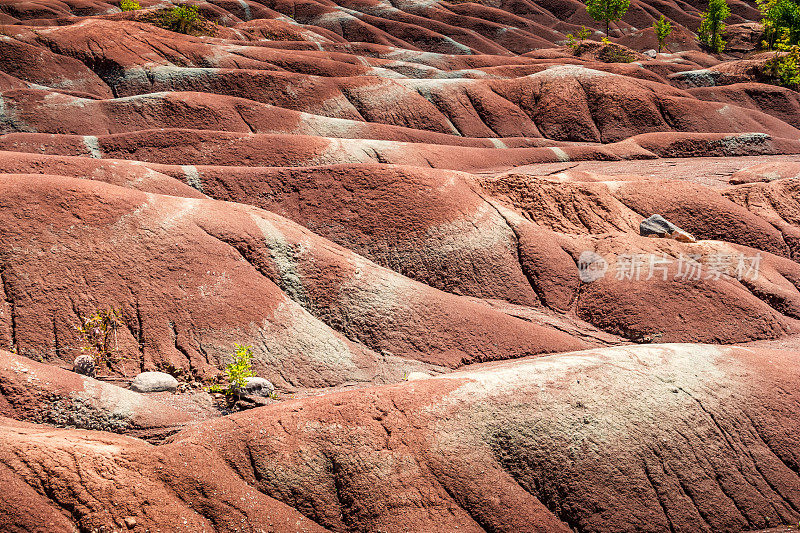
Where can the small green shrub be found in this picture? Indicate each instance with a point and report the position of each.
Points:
(662, 28)
(616, 54)
(184, 19)
(604, 51)
(784, 67)
(129, 5)
(712, 25)
(575, 41)
(236, 373)
(97, 332)
(787, 69)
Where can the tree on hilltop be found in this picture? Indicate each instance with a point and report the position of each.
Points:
(662, 28)
(712, 25)
(607, 11)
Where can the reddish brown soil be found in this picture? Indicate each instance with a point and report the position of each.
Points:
(392, 203)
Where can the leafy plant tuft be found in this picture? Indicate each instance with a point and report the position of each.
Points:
(236, 373)
(129, 5)
(784, 67)
(97, 332)
(662, 28)
(575, 41)
(183, 18)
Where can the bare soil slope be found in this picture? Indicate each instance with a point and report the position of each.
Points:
(424, 218)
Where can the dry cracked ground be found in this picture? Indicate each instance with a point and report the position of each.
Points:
(424, 218)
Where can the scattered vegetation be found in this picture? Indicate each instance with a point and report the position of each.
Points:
(575, 41)
(236, 373)
(781, 20)
(604, 51)
(614, 53)
(784, 67)
(99, 335)
(183, 18)
(662, 28)
(129, 5)
(712, 25)
(607, 11)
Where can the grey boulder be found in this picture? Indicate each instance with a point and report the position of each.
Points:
(84, 364)
(696, 78)
(258, 387)
(658, 226)
(154, 382)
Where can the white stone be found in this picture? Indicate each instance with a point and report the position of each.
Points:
(154, 382)
(258, 387)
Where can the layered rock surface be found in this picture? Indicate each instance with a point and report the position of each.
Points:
(648, 438)
(424, 218)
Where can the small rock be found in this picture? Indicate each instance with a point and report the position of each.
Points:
(658, 226)
(250, 402)
(84, 364)
(696, 78)
(154, 382)
(682, 236)
(650, 53)
(130, 522)
(413, 376)
(258, 387)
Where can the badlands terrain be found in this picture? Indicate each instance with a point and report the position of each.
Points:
(424, 218)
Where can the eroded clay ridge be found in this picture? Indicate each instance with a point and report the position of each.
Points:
(648, 438)
(425, 219)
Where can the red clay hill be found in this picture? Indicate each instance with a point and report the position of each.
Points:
(488, 281)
